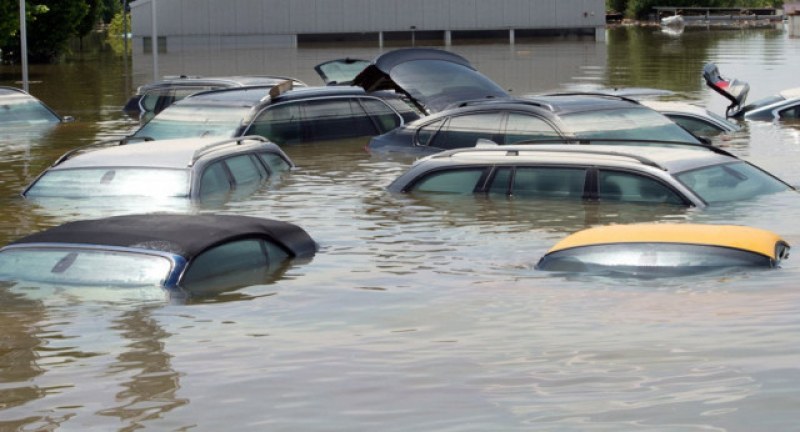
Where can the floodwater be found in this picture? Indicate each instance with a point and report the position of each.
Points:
(416, 314)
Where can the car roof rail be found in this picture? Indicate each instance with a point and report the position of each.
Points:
(105, 143)
(494, 100)
(517, 150)
(208, 148)
(628, 141)
(584, 93)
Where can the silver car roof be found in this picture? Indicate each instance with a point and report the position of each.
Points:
(173, 153)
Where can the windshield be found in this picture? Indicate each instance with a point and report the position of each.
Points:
(182, 121)
(730, 182)
(99, 182)
(626, 123)
(26, 111)
(437, 83)
(649, 259)
(75, 266)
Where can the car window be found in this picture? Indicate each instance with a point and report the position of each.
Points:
(245, 169)
(337, 119)
(384, 115)
(696, 126)
(214, 181)
(790, 113)
(407, 110)
(99, 182)
(466, 130)
(25, 110)
(629, 187)
(426, 132)
(281, 124)
(628, 123)
(730, 182)
(456, 181)
(83, 267)
(521, 127)
(546, 182)
(274, 162)
(232, 257)
(500, 182)
(183, 121)
(623, 257)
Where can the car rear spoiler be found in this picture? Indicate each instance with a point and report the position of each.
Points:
(733, 89)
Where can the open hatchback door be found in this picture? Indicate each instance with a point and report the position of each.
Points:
(431, 78)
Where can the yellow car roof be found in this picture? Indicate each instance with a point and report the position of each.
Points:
(731, 236)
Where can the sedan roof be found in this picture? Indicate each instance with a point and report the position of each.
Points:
(184, 235)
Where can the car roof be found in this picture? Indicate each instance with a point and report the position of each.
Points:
(230, 81)
(253, 96)
(567, 103)
(172, 153)
(181, 234)
(674, 159)
(677, 107)
(730, 236)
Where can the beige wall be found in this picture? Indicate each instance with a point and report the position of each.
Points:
(290, 17)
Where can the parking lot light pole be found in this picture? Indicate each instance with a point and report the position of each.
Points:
(23, 37)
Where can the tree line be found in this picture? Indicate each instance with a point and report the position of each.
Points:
(639, 9)
(50, 24)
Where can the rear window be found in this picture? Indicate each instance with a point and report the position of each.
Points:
(193, 121)
(628, 123)
(83, 267)
(104, 182)
(649, 259)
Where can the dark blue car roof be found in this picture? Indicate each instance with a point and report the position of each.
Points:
(184, 235)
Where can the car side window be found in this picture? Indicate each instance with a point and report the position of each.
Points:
(466, 130)
(384, 115)
(274, 162)
(245, 169)
(214, 181)
(234, 257)
(337, 119)
(790, 113)
(427, 132)
(456, 181)
(547, 182)
(629, 187)
(281, 124)
(696, 126)
(522, 127)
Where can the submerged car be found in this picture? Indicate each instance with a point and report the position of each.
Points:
(177, 252)
(195, 168)
(509, 121)
(281, 114)
(153, 97)
(18, 108)
(691, 176)
(696, 119)
(655, 249)
(783, 106)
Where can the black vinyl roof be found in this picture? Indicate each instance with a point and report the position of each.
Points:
(185, 235)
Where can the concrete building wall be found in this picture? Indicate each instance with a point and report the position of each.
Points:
(297, 17)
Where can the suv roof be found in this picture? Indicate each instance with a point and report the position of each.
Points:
(664, 158)
(173, 153)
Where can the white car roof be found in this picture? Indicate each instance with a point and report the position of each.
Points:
(172, 153)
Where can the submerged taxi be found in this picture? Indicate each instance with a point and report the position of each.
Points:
(654, 249)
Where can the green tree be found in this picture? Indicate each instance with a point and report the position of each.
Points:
(50, 25)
